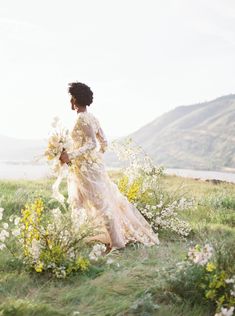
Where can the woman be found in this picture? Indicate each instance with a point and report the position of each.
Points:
(89, 186)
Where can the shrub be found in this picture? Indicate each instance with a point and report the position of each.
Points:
(47, 241)
(141, 184)
(206, 276)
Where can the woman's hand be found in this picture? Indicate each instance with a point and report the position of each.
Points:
(64, 158)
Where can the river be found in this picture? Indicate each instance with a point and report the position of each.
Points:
(16, 170)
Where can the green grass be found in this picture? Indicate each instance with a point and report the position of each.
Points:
(133, 283)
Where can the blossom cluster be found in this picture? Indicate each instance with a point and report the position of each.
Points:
(4, 233)
(58, 141)
(48, 240)
(139, 163)
(199, 255)
(141, 185)
(219, 287)
(165, 216)
(231, 281)
(97, 251)
(225, 311)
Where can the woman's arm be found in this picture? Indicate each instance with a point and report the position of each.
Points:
(102, 140)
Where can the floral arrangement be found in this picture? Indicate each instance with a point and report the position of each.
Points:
(205, 275)
(47, 240)
(141, 185)
(218, 285)
(57, 142)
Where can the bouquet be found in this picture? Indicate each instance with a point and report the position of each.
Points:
(57, 142)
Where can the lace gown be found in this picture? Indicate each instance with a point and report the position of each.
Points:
(91, 190)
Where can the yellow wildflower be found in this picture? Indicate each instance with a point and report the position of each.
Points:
(83, 263)
(210, 267)
(39, 267)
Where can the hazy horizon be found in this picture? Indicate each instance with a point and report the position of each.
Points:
(113, 137)
(141, 60)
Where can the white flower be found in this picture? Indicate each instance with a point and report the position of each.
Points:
(17, 220)
(227, 312)
(202, 256)
(97, 251)
(55, 121)
(1, 213)
(109, 261)
(229, 281)
(208, 249)
(60, 273)
(3, 235)
(2, 246)
(5, 225)
(72, 255)
(16, 232)
(92, 257)
(159, 205)
(35, 249)
(56, 214)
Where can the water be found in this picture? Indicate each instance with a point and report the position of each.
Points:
(23, 170)
(202, 174)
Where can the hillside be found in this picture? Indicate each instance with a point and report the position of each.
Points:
(200, 136)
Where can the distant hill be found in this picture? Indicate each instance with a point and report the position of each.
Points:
(199, 136)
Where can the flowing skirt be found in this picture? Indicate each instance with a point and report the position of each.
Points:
(91, 189)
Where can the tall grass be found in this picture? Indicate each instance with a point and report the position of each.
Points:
(134, 284)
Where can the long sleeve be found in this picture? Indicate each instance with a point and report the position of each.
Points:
(102, 140)
(90, 139)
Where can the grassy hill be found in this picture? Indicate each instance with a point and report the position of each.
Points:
(134, 284)
(199, 136)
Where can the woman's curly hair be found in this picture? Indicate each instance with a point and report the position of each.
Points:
(81, 92)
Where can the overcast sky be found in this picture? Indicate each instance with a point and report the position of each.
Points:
(140, 57)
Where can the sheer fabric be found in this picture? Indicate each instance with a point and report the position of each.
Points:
(91, 189)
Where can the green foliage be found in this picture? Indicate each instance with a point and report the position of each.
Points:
(211, 281)
(144, 305)
(15, 194)
(223, 201)
(47, 241)
(135, 283)
(26, 308)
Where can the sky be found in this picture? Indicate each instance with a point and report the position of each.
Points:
(141, 58)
